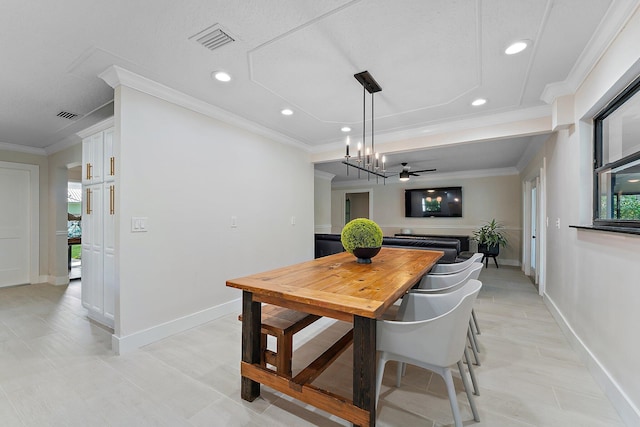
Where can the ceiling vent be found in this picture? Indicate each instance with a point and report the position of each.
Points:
(67, 115)
(213, 37)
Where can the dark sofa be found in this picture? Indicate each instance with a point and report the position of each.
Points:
(328, 244)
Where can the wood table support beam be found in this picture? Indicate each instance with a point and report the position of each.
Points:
(364, 365)
(251, 314)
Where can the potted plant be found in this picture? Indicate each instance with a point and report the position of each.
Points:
(363, 238)
(490, 237)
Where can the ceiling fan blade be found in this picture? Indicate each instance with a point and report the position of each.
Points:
(425, 170)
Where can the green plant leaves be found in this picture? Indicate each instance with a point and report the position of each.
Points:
(361, 233)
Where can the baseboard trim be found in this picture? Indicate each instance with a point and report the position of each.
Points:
(504, 261)
(629, 413)
(128, 343)
(58, 280)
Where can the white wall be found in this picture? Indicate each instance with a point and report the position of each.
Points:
(189, 174)
(483, 198)
(592, 283)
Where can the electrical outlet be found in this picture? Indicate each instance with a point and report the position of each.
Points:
(557, 222)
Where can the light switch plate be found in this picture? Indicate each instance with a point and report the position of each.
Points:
(139, 224)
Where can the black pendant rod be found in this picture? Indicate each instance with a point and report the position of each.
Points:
(373, 151)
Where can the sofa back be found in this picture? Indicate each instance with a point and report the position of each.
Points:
(328, 244)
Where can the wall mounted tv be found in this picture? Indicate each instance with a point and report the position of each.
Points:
(433, 202)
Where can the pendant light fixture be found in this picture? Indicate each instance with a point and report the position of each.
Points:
(367, 159)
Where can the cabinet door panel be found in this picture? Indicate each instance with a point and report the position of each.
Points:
(109, 252)
(92, 247)
(92, 158)
(109, 161)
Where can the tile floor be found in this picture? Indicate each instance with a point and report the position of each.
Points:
(57, 369)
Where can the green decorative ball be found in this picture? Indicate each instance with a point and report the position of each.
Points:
(361, 233)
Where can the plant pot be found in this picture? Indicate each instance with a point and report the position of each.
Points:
(492, 250)
(364, 255)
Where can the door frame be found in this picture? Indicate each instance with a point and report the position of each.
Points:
(34, 216)
(539, 178)
(343, 205)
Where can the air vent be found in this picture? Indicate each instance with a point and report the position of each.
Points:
(67, 115)
(213, 37)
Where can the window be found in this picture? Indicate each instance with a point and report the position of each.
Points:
(617, 161)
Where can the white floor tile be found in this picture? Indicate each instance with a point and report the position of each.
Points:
(57, 369)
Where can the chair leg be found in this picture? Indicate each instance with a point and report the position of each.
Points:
(474, 341)
(496, 261)
(453, 400)
(472, 403)
(472, 374)
(399, 373)
(475, 321)
(475, 353)
(379, 374)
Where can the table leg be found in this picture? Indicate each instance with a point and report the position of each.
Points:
(364, 365)
(251, 318)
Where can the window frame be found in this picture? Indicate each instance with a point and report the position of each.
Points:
(630, 91)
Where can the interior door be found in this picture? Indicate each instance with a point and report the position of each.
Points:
(534, 214)
(15, 187)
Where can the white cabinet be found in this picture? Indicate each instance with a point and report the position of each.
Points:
(98, 160)
(92, 154)
(108, 159)
(98, 227)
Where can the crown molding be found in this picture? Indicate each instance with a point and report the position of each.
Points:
(117, 76)
(323, 175)
(22, 149)
(98, 127)
(614, 21)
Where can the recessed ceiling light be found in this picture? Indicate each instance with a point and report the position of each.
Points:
(478, 102)
(221, 76)
(287, 112)
(634, 180)
(346, 129)
(516, 47)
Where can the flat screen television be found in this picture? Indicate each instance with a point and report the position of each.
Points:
(433, 202)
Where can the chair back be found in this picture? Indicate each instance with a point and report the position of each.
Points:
(448, 282)
(456, 267)
(434, 327)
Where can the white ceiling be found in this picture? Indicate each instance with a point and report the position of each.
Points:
(432, 58)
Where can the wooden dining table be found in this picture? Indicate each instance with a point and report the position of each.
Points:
(334, 286)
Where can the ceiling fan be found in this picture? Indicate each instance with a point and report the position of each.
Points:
(406, 172)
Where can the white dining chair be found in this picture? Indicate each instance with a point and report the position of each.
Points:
(431, 334)
(443, 269)
(456, 266)
(450, 283)
(447, 282)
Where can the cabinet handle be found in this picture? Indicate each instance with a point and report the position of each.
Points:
(89, 171)
(112, 162)
(112, 199)
(89, 202)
